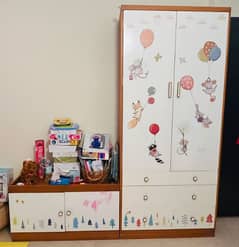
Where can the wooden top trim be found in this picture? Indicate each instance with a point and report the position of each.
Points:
(176, 8)
(41, 188)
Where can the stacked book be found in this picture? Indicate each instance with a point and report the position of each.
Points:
(63, 146)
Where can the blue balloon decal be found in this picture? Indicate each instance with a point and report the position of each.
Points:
(215, 53)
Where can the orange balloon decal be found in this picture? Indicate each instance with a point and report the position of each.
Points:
(146, 38)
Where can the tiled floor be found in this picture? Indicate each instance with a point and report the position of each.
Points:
(227, 235)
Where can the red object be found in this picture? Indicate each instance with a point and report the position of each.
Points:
(209, 219)
(151, 100)
(237, 141)
(138, 222)
(154, 128)
(39, 150)
(187, 82)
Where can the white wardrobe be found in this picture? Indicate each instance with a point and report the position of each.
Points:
(172, 86)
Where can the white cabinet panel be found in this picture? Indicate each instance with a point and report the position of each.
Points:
(168, 207)
(148, 64)
(92, 211)
(200, 57)
(36, 212)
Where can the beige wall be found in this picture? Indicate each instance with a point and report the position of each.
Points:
(58, 58)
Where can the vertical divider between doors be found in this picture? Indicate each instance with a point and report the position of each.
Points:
(173, 94)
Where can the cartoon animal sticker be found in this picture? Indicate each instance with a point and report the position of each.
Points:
(209, 54)
(138, 107)
(183, 144)
(155, 153)
(209, 87)
(202, 118)
(137, 113)
(136, 69)
(153, 150)
(187, 83)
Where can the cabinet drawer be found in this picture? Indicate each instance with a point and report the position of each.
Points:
(167, 207)
(169, 178)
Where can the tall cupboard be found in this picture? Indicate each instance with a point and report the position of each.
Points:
(172, 86)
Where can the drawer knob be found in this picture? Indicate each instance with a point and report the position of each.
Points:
(68, 212)
(146, 179)
(60, 213)
(145, 197)
(195, 178)
(144, 220)
(194, 197)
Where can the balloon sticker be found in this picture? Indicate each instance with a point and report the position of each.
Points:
(154, 128)
(151, 91)
(209, 53)
(151, 100)
(187, 83)
(146, 38)
(153, 150)
(136, 69)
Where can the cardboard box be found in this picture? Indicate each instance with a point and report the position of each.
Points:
(4, 219)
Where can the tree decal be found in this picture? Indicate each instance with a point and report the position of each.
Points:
(75, 223)
(112, 223)
(126, 220)
(151, 223)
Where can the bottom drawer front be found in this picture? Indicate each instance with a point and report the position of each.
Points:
(168, 207)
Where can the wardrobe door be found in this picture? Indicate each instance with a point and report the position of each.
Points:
(201, 43)
(148, 64)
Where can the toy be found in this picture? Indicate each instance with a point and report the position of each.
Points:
(29, 172)
(97, 141)
(62, 121)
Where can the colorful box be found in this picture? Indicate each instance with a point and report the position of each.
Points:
(6, 177)
(67, 135)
